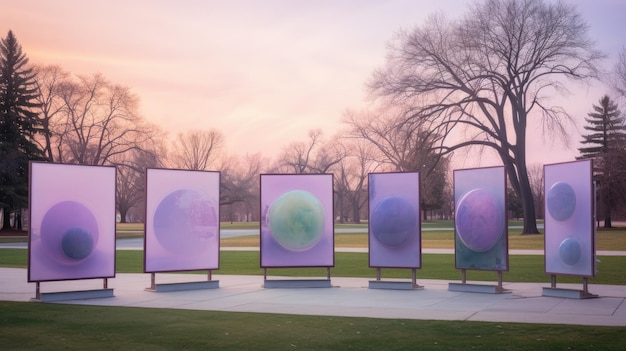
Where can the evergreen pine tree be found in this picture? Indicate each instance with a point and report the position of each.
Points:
(19, 124)
(605, 145)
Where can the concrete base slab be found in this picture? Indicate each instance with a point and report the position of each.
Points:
(209, 284)
(297, 283)
(74, 295)
(567, 293)
(393, 285)
(477, 288)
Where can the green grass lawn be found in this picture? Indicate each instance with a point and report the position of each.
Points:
(523, 268)
(35, 326)
(613, 240)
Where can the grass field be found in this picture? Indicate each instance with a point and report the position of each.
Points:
(31, 326)
(523, 268)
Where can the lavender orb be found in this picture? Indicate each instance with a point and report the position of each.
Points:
(561, 201)
(570, 251)
(69, 231)
(185, 221)
(393, 221)
(296, 220)
(479, 220)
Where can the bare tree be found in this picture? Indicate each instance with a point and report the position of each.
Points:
(535, 176)
(406, 146)
(479, 79)
(351, 178)
(239, 188)
(197, 149)
(131, 181)
(91, 120)
(620, 74)
(48, 81)
(314, 156)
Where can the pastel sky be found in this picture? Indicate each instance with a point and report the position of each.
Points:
(263, 72)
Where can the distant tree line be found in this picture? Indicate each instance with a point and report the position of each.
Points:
(448, 88)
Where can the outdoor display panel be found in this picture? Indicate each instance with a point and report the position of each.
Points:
(72, 222)
(182, 220)
(394, 220)
(569, 226)
(297, 228)
(480, 219)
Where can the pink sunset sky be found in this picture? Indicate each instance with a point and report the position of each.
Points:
(263, 72)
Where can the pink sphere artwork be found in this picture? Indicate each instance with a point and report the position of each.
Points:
(185, 221)
(69, 231)
(479, 220)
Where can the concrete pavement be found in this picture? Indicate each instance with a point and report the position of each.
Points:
(523, 303)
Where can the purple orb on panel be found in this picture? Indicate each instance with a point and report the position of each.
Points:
(570, 251)
(70, 232)
(393, 221)
(479, 220)
(561, 201)
(77, 243)
(185, 221)
(296, 220)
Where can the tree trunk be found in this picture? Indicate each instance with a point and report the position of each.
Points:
(340, 198)
(607, 222)
(606, 202)
(6, 222)
(528, 204)
(356, 217)
(123, 212)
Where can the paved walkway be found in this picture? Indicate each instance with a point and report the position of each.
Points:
(523, 303)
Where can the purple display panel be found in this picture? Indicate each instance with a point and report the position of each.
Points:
(394, 220)
(569, 231)
(182, 220)
(297, 228)
(72, 217)
(480, 222)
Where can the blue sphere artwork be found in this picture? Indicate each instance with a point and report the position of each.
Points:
(479, 220)
(296, 220)
(70, 232)
(77, 243)
(561, 201)
(570, 251)
(185, 221)
(393, 221)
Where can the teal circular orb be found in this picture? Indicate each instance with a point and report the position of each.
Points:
(570, 251)
(296, 220)
(561, 201)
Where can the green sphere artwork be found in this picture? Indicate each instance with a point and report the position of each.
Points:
(296, 220)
